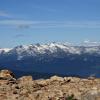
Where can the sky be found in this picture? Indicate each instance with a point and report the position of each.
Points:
(25, 22)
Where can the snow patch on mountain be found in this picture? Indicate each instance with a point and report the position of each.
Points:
(90, 43)
(4, 50)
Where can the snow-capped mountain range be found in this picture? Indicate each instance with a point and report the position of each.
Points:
(35, 49)
(59, 58)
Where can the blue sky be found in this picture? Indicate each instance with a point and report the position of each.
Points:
(43, 21)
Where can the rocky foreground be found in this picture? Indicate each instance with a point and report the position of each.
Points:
(55, 88)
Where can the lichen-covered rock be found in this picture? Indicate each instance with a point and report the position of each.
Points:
(55, 88)
(6, 74)
(92, 94)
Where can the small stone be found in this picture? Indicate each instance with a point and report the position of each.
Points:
(25, 79)
(71, 79)
(42, 82)
(14, 92)
(56, 78)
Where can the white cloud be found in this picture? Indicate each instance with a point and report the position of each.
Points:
(19, 35)
(4, 14)
(50, 24)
